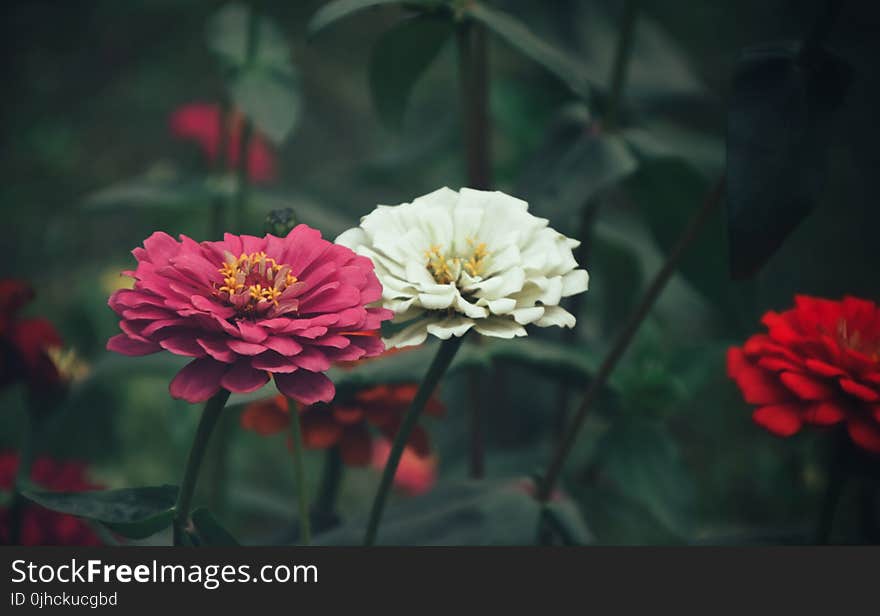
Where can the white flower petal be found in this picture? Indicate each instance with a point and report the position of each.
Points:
(556, 315)
(524, 316)
(453, 326)
(410, 335)
(499, 327)
(574, 282)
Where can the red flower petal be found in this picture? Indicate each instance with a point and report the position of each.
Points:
(780, 419)
(806, 387)
(864, 434)
(355, 446)
(825, 414)
(858, 390)
(757, 385)
(266, 416)
(318, 429)
(823, 369)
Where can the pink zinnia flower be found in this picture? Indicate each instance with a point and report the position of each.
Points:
(200, 122)
(246, 308)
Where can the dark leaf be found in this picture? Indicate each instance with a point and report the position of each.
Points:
(642, 462)
(668, 192)
(778, 126)
(398, 60)
(136, 513)
(209, 530)
(518, 35)
(500, 512)
(332, 12)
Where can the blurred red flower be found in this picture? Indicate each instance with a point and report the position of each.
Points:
(819, 363)
(39, 526)
(345, 421)
(200, 122)
(415, 474)
(25, 343)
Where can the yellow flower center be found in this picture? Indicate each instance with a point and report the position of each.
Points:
(445, 268)
(253, 281)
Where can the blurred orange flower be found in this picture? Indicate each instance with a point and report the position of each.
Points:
(345, 421)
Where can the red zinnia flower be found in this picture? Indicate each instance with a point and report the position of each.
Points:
(247, 308)
(200, 122)
(40, 526)
(345, 422)
(25, 343)
(819, 364)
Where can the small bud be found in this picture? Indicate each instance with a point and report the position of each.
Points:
(280, 222)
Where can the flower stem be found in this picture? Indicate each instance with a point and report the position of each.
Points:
(302, 492)
(325, 504)
(210, 415)
(837, 476)
(690, 233)
(247, 128)
(445, 354)
(473, 73)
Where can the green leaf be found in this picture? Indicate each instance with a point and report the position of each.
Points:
(209, 530)
(518, 35)
(135, 513)
(227, 37)
(778, 126)
(550, 359)
(590, 165)
(489, 512)
(270, 97)
(643, 463)
(340, 9)
(398, 60)
(266, 87)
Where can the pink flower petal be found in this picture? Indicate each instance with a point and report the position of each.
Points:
(198, 380)
(121, 343)
(306, 387)
(244, 378)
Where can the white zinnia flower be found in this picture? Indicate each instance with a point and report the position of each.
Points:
(451, 261)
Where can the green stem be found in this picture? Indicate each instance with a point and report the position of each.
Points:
(302, 492)
(218, 206)
(242, 187)
(621, 63)
(247, 128)
(473, 73)
(325, 504)
(621, 343)
(210, 415)
(445, 354)
(837, 476)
